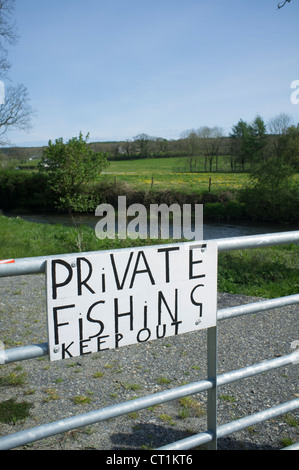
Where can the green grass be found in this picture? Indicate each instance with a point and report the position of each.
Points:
(19, 239)
(158, 174)
(265, 272)
(11, 412)
(154, 175)
(163, 165)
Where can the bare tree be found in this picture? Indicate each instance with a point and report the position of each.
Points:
(279, 124)
(282, 4)
(278, 127)
(210, 142)
(15, 109)
(190, 139)
(8, 34)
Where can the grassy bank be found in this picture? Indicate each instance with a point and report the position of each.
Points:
(266, 272)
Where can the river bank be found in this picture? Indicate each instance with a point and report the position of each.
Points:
(224, 201)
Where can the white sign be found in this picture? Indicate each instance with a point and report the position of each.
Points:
(111, 299)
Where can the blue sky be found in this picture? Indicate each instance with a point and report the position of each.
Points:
(118, 68)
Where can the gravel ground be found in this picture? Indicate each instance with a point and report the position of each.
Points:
(119, 375)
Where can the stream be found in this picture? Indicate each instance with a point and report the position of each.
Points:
(211, 230)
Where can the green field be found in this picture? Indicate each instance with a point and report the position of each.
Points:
(158, 174)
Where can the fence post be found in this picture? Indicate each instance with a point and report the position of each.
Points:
(212, 393)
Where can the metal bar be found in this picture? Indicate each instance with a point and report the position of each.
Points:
(247, 421)
(212, 393)
(234, 426)
(23, 352)
(255, 369)
(257, 307)
(292, 447)
(257, 241)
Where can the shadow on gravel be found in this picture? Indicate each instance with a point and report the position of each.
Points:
(147, 436)
(152, 436)
(229, 443)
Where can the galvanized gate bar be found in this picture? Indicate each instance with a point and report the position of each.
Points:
(257, 307)
(212, 393)
(37, 265)
(292, 447)
(256, 418)
(257, 241)
(234, 426)
(23, 353)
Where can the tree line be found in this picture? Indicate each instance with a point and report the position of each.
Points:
(247, 145)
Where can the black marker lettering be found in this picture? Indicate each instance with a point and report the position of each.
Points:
(167, 250)
(65, 350)
(90, 319)
(118, 337)
(118, 285)
(198, 304)
(146, 338)
(79, 274)
(55, 285)
(117, 314)
(55, 318)
(146, 270)
(162, 298)
(192, 263)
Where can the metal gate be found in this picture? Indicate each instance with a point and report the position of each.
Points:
(210, 384)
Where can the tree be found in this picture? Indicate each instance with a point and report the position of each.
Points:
(210, 139)
(248, 142)
(8, 34)
(278, 127)
(191, 142)
(71, 168)
(161, 146)
(279, 124)
(290, 147)
(143, 142)
(259, 139)
(128, 147)
(241, 144)
(282, 4)
(15, 111)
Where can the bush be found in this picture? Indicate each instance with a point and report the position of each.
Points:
(262, 206)
(24, 190)
(233, 210)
